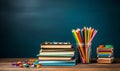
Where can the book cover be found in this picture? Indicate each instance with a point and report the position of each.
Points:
(56, 49)
(58, 63)
(57, 53)
(105, 60)
(54, 58)
(104, 55)
(104, 49)
(56, 46)
(104, 52)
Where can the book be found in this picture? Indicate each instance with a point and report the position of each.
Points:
(104, 52)
(57, 53)
(55, 43)
(104, 55)
(105, 60)
(56, 49)
(104, 49)
(54, 58)
(56, 46)
(58, 63)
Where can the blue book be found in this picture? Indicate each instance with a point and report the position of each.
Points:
(58, 63)
(56, 55)
(104, 55)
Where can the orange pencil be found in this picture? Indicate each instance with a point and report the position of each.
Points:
(82, 51)
(78, 34)
(91, 33)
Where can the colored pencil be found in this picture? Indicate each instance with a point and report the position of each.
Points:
(84, 38)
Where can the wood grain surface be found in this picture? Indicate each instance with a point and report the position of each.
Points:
(5, 65)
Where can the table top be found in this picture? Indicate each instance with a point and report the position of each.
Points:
(5, 65)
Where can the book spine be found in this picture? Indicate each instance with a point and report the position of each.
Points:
(104, 55)
(58, 64)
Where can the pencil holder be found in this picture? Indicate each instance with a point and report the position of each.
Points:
(84, 52)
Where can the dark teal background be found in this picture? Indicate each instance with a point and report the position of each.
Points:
(24, 24)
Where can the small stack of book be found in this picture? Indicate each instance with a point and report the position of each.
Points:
(105, 54)
(57, 54)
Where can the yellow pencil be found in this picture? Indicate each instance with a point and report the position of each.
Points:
(75, 36)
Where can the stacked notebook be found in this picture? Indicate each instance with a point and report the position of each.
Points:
(57, 54)
(105, 54)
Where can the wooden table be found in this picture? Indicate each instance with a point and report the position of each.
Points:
(5, 65)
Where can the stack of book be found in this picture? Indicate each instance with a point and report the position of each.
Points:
(105, 54)
(57, 54)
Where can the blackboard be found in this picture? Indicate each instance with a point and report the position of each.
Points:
(25, 24)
